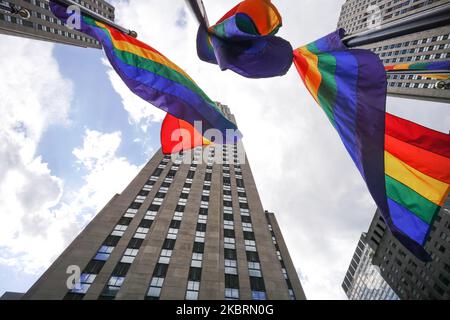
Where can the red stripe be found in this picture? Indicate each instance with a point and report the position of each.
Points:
(301, 64)
(417, 135)
(429, 163)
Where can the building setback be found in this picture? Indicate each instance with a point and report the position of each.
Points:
(358, 16)
(180, 230)
(363, 280)
(43, 25)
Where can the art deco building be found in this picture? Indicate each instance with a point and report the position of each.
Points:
(189, 226)
(43, 25)
(359, 16)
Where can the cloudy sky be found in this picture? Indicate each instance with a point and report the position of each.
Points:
(72, 136)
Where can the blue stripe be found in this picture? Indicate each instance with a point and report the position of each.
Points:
(407, 222)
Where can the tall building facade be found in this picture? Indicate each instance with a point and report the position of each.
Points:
(359, 16)
(189, 226)
(409, 277)
(363, 280)
(43, 25)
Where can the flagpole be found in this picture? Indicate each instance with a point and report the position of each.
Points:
(198, 8)
(98, 17)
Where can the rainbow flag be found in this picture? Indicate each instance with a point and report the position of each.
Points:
(422, 66)
(244, 41)
(152, 76)
(417, 164)
(178, 135)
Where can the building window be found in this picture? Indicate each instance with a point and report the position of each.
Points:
(103, 253)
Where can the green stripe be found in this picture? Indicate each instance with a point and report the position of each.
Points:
(328, 89)
(246, 25)
(418, 66)
(411, 200)
(155, 67)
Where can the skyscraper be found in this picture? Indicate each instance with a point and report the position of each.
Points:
(358, 16)
(43, 25)
(363, 280)
(409, 277)
(189, 226)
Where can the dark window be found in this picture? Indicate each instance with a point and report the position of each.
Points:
(121, 269)
(226, 181)
(246, 219)
(135, 243)
(249, 235)
(252, 256)
(157, 172)
(187, 185)
(190, 174)
(154, 207)
(169, 244)
(257, 284)
(205, 198)
(227, 216)
(165, 184)
(201, 227)
(206, 187)
(150, 182)
(124, 221)
(73, 296)
(144, 193)
(94, 266)
(243, 205)
(160, 270)
(208, 176)
(230, 254)
(228, 233)
(160, 195)
(199, 247)
(289, 284)
(240, 183)
(227, 192)
(242, 194)
(195, 274)
(203, 211)
(111, 241)
(146, 223)
(184, 195)
(231, 281)
(135, 205)
(227, 203)
(175, 224)
(180, 208)
(171, 174)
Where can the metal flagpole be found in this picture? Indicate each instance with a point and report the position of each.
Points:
(98, 17)
(198, 8)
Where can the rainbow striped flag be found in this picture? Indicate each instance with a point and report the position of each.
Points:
(421, 66)
(417, 164)
(244, 41)
(152, 76)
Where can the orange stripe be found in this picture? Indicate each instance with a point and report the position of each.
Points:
(313, 78)
(264, 14)
(427, 162)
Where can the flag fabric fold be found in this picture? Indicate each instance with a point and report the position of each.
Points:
(152, 76)
(351, 87)
(244, 41)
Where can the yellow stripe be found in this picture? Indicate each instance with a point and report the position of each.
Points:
(144, 53)
(402, 66)
(428, 187)
(313, 78)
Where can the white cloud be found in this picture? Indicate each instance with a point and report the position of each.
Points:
(30, 104)
(41, 215)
